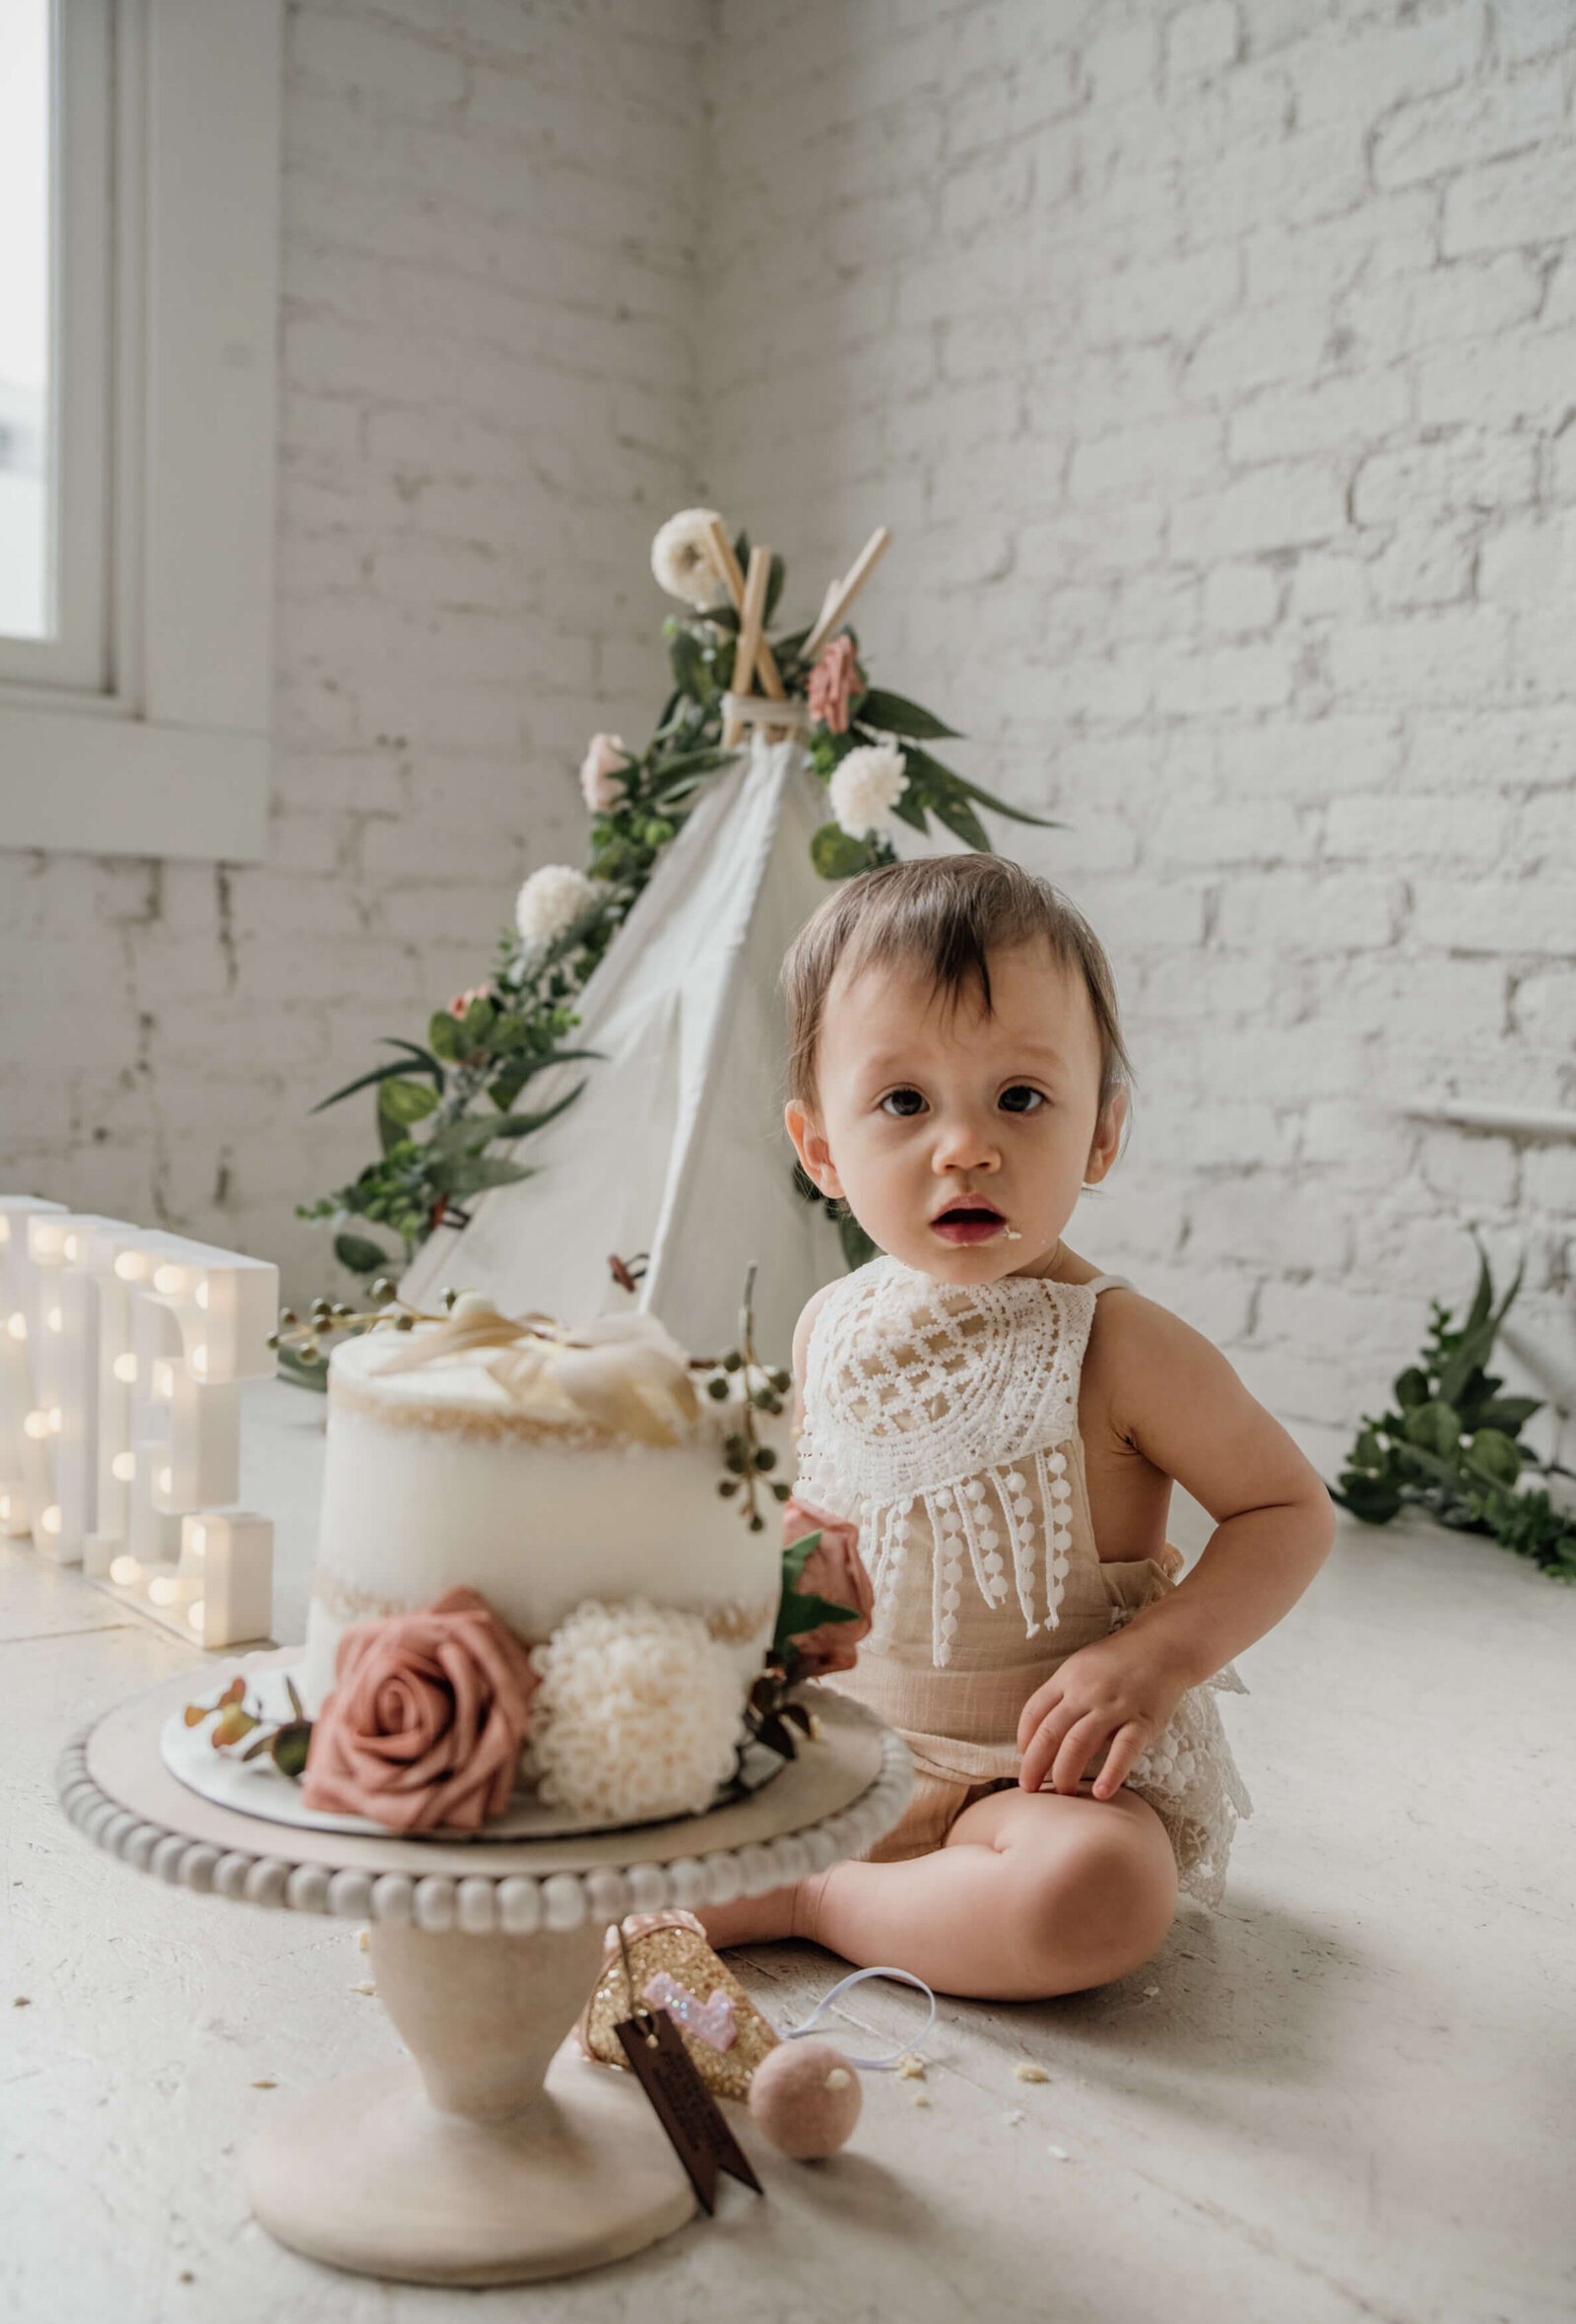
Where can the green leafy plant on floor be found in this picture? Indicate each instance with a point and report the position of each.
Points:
(1452, 1445)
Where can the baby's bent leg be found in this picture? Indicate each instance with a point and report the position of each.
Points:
(1033, 1895)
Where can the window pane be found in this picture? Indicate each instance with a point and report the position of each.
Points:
(26, 134)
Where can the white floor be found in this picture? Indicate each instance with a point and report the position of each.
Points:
(1349, 2095)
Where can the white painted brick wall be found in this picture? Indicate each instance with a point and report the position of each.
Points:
(1245, 336)
(488, 305)
(1215, 367)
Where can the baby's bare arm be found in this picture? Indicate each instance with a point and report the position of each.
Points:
(1178, 1401)
(1175, 1399)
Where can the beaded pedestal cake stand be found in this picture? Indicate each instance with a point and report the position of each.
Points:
(499, 2155)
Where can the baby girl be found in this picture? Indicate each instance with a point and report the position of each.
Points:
(990, 1428)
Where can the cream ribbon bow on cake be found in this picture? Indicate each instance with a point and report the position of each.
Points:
(623, 1373)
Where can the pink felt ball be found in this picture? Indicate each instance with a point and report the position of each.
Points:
(806, 2098)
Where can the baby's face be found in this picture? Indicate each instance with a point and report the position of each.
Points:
(960, 1139)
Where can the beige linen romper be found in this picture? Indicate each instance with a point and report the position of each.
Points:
(942, 1419)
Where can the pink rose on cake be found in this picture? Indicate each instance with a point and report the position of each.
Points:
(427, 1720)
(834, 1571)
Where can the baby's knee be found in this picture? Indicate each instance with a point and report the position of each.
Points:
(1104, 1903)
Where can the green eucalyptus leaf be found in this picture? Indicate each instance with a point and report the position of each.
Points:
(406, 1102)
(1368, 1498)
(1497, 1456)
(801, 1612)
(836, 854)
(688, 669)
(475, 1024)
(466, 1174)
(379, 1074)
(934, 780)
(1412, 1389)
(361, 1255)
(893, 713)
(443, 1035)
(1508, 1414)
(962, 821)
(774, 581)
(289, 1745)
(1434, 1426)
(795, 1557)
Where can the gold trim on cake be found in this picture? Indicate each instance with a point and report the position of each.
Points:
(478, 1425)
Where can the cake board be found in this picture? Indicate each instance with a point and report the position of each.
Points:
(498, 2155)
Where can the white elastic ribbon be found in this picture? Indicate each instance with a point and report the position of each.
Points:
(870, 2065)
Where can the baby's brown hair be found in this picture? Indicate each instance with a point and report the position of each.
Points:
(948, 912)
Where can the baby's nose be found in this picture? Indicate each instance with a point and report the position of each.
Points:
(963, 1144)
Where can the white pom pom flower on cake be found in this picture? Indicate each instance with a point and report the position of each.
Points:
(636, 1714)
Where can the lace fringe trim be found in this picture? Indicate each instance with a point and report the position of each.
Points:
(967, 1522)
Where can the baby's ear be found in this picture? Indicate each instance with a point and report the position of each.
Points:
(810, 1144)
(1107, 1140)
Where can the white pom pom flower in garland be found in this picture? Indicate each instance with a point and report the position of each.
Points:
(866, 786)
(550, 902)
(637, 1716)
(682, 562)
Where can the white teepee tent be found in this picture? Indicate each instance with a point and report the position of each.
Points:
(676, 1145)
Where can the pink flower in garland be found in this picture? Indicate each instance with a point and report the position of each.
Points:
(426, 1719)
(834, 682)
(462, 1000)
(602, 773)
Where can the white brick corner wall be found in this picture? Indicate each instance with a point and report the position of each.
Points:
(1216, 367)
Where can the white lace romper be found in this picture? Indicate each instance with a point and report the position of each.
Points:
(942, 1419)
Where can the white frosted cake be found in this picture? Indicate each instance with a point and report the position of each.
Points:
(541, 1494)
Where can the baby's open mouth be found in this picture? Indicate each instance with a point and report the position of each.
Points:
(968, 1222)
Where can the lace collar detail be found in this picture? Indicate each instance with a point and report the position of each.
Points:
(912, 1384)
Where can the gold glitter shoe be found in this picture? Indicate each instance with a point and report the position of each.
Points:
(672, 1967)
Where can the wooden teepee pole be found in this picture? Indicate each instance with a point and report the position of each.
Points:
(765, 661)
(836, 607)
(751, 617)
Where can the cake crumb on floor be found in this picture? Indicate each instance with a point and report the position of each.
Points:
(1030, 2073)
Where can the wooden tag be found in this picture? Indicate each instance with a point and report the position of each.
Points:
(683, 2104)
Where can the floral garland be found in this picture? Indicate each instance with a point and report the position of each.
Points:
(488, 1044)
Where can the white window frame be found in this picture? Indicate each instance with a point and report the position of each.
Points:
(149, 733)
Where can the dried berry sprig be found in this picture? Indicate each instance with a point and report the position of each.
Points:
(301, 1343)
(747, 1461)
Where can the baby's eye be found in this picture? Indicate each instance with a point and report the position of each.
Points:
(904, 1103)
(1020, 1098)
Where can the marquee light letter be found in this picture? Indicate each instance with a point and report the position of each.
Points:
(123, 1351)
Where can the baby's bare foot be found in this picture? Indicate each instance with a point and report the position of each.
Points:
(764, 1920)
(754, 1920)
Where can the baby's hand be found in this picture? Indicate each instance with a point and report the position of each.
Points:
(1114, 1692)
(834, 1571)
